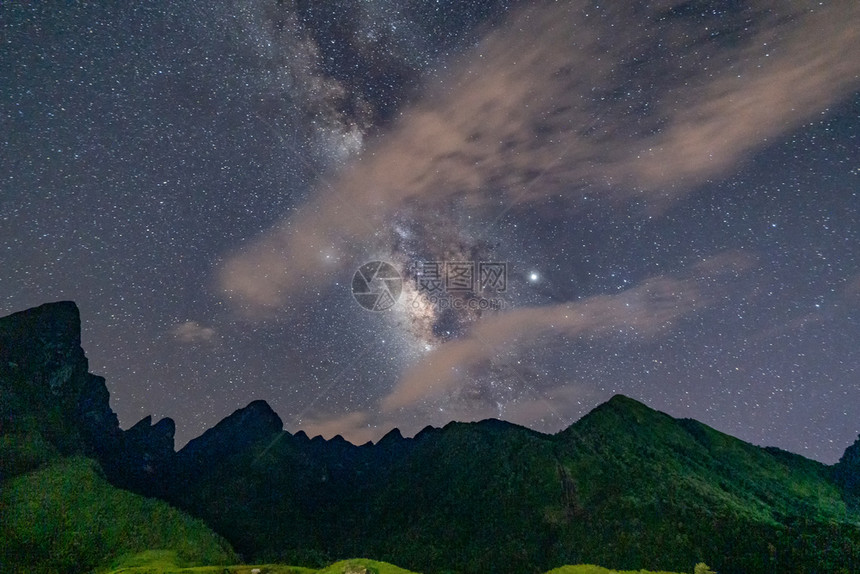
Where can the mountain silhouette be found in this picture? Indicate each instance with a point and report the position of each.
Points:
(626, 486)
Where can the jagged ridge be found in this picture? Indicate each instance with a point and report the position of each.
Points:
(626, 486)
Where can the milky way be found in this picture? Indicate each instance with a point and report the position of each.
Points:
(671, 190)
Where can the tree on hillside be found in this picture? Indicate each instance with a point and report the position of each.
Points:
(702, 568)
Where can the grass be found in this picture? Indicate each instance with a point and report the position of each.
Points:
(591, 569)
(66, 517)
(362, 566)
(165, 562)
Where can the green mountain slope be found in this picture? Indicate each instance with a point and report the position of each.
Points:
(66, 517)
(626, 486)
(648, 489)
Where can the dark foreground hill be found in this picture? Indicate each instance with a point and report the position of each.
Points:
(626, 486)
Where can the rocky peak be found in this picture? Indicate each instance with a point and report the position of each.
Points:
(847, 470)
(43, 346)
(156, 437)
(44, 371)
(145, 457)
(392, 437)
(246, 426)
(59, 323)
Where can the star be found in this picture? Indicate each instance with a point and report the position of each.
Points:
(656, 227)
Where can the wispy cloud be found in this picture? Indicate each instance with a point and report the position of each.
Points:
(650, 310)
(545, 104)
(645, 310)
(801, 62)
(851, 292)
(556, 408)
(353, 426)
(193, 332)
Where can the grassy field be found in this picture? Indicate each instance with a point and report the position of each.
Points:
(166, 562)
(590, 569)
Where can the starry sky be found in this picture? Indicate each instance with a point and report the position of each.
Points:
(672, 190)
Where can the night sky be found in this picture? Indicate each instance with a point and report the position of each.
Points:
(673, 189)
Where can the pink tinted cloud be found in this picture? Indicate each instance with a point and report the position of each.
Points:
(645, 310)
(521, 116)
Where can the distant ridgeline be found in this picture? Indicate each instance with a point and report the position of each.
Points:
(626, 487)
